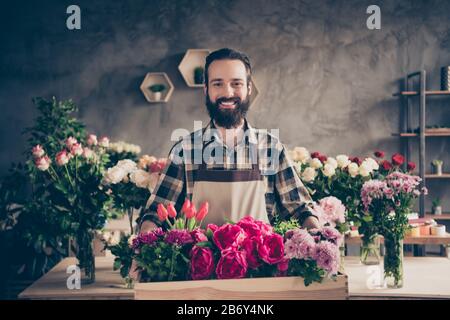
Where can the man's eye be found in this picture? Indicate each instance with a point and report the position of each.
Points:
(217, 84)
(238, 84)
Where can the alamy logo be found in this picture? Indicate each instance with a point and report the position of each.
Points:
(74, 20)
(374, 20)
(74, 280)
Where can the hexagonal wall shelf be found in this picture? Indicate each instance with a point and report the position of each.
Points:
(155, 78)
(192, 59)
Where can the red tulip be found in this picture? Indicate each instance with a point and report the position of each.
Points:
(186, 206)
(171, 211)
(202, 212)
(162, 212)
(191, 212)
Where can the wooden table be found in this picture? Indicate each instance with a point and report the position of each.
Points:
(424, 278)
(108, 284)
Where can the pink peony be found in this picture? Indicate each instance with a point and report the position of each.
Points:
(202, 263)
(271, 249)
(232, 264)
(250, 246)
(228, 236)
(249, 225)
(333, 235)
(211, 226)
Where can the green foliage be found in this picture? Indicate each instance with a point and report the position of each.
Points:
(159, 87)
(281, 227)
(123, 256)
(307, 269)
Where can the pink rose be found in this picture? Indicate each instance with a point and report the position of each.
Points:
(282, 267)
(43, 163)
(248, 224)
(104, 142)
(198, 236)
(38, 151)
(232, 264)
(211, 226)
(88, 153)
(228, 236)
(92, 140)
(202, 263)
(271, 249)
(265, 228)
(62, 158)
(250, 246)
(76, 149)
(70, 141)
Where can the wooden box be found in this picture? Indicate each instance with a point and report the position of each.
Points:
(283, 288)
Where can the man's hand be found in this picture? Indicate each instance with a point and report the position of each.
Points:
(311, 223)
(134, 272)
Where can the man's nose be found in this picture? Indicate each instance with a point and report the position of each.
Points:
(229, 91)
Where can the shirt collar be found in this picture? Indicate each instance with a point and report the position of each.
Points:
(211, 133)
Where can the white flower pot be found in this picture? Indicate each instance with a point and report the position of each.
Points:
(156, 96)
(437, 210)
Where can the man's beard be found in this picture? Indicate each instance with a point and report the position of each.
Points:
(227, 118)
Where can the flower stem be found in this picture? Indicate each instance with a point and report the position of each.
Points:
(68, 176)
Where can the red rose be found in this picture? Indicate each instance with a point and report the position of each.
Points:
(271, 249)
(379, 154)
(248, 224)
(356, 160)
(411, 166)
(250, 246)
(228, 236)
(398, 159)
(386, 165)
(323, 158)
(198, 236)
(232, 264)
(202, 263)
(315, 155)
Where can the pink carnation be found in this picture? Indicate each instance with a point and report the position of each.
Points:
(327, 256)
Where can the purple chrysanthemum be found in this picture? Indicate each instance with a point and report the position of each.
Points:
(178, 237)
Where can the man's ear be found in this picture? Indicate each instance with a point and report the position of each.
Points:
(250, 87)
(205, 89)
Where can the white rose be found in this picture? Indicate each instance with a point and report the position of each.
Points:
(315, 163)
(328, 170)
(127, 165)
(332, 162)
(140, 178)
(343, 161)
(119, 148)
(353, 169)
(372, 163)
(115, 175)
(301, 154)
(365, 169)
(308, 174)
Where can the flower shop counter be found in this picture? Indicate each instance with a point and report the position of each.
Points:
(424, 278)
(53, 285)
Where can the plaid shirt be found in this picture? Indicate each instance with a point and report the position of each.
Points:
(285, 194)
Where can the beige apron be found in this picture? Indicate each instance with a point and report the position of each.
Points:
(231, 194)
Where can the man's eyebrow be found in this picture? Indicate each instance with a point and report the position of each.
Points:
(220, 79)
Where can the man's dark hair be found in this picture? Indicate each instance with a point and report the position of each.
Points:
(228, 54)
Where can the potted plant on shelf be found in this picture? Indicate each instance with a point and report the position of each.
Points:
(157, 90)
(437, 166)
(437, 208)
(198, 75)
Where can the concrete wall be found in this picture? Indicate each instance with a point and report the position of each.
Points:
(324, 79)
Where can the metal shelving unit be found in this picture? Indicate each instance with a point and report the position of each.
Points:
(406, 130)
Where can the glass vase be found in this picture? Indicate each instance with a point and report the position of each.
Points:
(85, 255)
(370, 250)
(393, 262)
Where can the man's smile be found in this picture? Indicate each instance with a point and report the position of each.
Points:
(227, 105)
